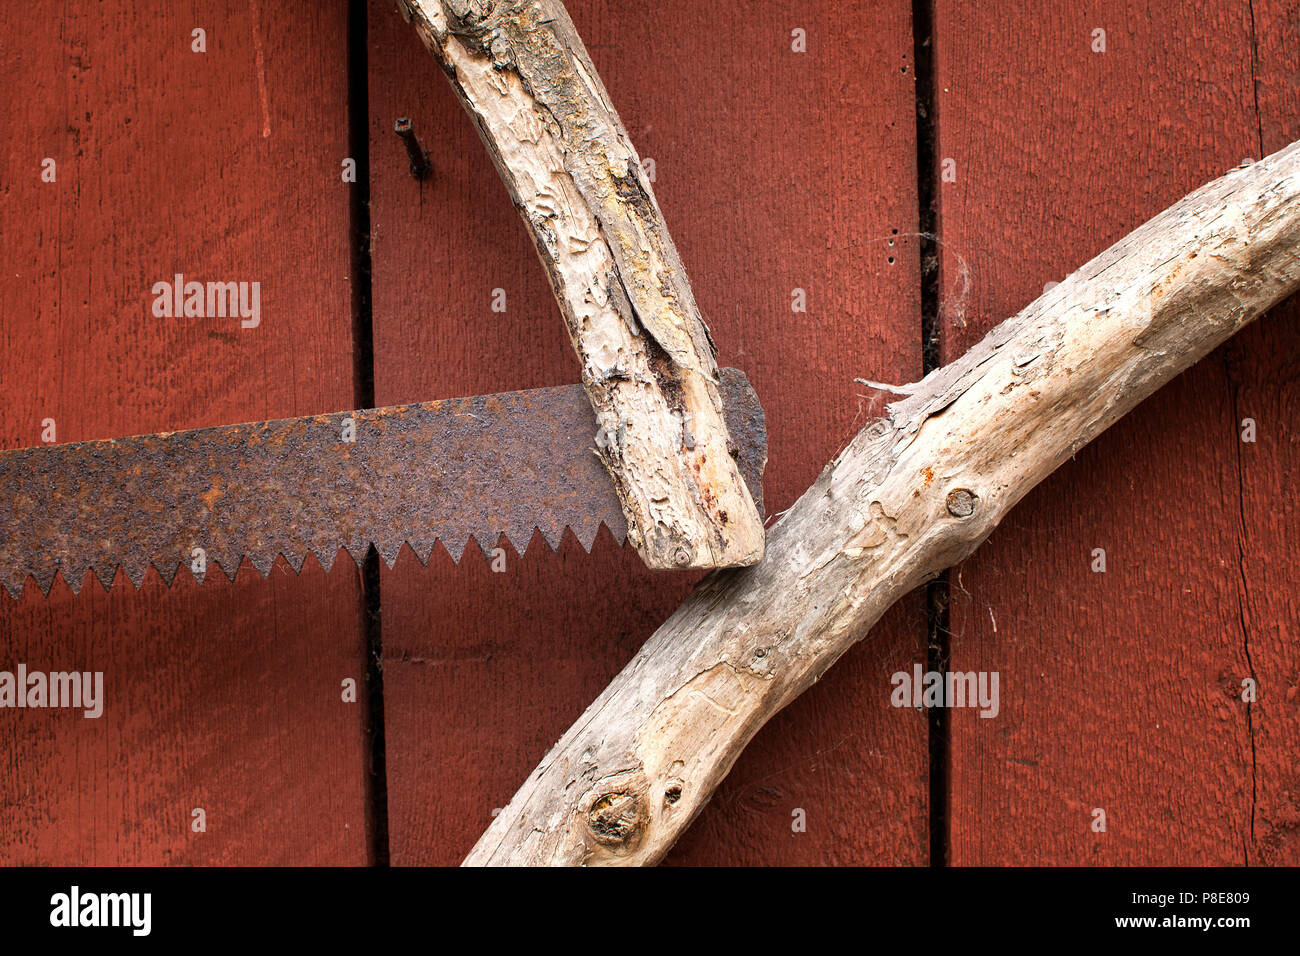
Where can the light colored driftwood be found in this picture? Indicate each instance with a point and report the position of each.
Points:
(648, 363)
(912, 494)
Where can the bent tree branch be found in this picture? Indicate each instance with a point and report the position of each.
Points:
(912, 494)
(522, 73)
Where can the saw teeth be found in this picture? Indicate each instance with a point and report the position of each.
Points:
(553, 539)
(486, 543)
(389, 552)
(135, 571)
(456, 547)
(358, 551)
(519, 537)
(228, 563)
(44, 580)
(167, 570)
(586, 534)
(105, 574)
(325, 555)
(74, 578)
(423, 550)
(263, 562)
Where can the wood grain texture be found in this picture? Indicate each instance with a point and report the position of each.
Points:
(1120, 690)
(800, 163)
(1263, 370)
(528, 85)
(223, 165)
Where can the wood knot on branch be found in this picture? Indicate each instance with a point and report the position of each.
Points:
(471, 16)
(961, 503)
(617, 819)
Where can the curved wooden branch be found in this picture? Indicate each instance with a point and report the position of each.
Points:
(648, 364)
(911, 495)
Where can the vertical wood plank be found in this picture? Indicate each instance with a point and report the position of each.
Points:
(1120, 691)
(1264, 373)
(776, 171)
(222, 165)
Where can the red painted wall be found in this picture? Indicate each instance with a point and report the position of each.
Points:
(776, 170)
(224, 698)
(1122, 690)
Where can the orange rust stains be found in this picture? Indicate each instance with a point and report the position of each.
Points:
(928, 474)
(210, 496)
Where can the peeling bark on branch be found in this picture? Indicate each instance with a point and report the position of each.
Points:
(648, 364)
(912, 494)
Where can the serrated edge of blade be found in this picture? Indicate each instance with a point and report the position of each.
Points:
(169, 569)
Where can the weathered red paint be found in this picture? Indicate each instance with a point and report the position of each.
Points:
(775, 171)
(1121, 690)
(224, 697)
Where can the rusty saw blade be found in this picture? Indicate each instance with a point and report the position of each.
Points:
(442, 471)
